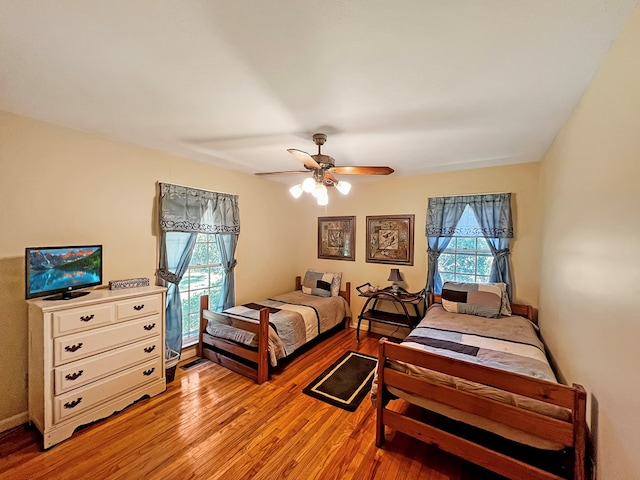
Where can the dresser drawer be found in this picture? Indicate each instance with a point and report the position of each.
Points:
(138, 307)
(81, 399)
(81, 345)
(82, 318)
(81, 372)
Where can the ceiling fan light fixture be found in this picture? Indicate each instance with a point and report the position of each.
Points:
(308, 185)
(319, 191)
(323, 200)
(343, 187)
(296, 190)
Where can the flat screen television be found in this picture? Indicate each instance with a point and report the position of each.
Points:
(58, 272)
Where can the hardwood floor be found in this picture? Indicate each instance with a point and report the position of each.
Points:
(212, 423)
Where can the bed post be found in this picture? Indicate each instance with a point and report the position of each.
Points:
(263, 347)
(204, 305)
(579, 432)
(380, 399)
(347, 292)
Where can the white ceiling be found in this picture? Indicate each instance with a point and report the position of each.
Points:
(419, 85)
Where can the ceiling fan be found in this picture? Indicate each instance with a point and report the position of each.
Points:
(323, 168)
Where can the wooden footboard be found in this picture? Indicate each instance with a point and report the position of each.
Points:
(224, 351)
(570, 433)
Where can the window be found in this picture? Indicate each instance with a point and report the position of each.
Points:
(203, 277)
(467, 257)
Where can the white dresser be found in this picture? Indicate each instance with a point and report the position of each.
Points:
(92, 356)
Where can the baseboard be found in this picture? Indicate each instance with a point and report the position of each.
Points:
(187, 353)
(15, 421)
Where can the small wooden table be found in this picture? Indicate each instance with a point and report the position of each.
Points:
(400, 296)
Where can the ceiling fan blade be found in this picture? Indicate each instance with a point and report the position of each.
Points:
(282, 173)
(362, 170)
(304, 157)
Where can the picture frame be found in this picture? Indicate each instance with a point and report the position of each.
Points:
(390, 239)
(337, 238)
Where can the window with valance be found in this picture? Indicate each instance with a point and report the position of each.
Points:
(480, 224)
(186, 215)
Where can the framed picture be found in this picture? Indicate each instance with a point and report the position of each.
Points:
(337, 238)
(390, 239)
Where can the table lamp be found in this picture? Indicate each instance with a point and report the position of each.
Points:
(395, 277)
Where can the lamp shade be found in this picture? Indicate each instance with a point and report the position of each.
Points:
(319, 190)
(343, 187)
(308, 184)
(394, 276)
(296, 190)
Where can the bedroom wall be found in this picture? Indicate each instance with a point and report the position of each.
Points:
(590, 273)
(409, 196)
(61, 187)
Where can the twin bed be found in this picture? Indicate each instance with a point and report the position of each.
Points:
(483, 383)
(251, 338)
(487, 394)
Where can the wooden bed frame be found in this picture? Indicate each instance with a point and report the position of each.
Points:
(572, 434)
(225, 350)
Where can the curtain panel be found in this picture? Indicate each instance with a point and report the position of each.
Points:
(495, 224)
(183, 213)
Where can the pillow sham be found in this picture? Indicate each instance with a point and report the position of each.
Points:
(506, 304)
(317, 283)
(336, 283)
(480, 299)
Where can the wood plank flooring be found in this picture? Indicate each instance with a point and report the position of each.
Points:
(212, 423)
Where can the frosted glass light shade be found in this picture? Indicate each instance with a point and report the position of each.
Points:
(323, 200)
(296, 190)
(308, 185)
(319, 190)
(343, 187)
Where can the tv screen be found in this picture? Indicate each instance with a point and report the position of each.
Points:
(59, 271)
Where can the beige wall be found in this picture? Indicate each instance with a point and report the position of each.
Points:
(590, 254)
(61, 187)
(66, 187)
(409, 196)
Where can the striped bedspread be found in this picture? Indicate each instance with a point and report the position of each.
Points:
(295, 318)
(294, 325)
(507, 343)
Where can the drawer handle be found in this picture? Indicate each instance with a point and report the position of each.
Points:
(73, 403)
(73, 348)
(73, 376)
(150, 327)
(146, 373)
(149, 349)
(138, 307)
(86, 318)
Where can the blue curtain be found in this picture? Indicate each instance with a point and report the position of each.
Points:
(227, 247)
(176, 249)
(443, 215)
(493, 213)
(183, 213)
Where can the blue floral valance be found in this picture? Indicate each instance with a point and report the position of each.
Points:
(493, 212)
(185, 209)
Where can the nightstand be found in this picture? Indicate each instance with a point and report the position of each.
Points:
(406, 300)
